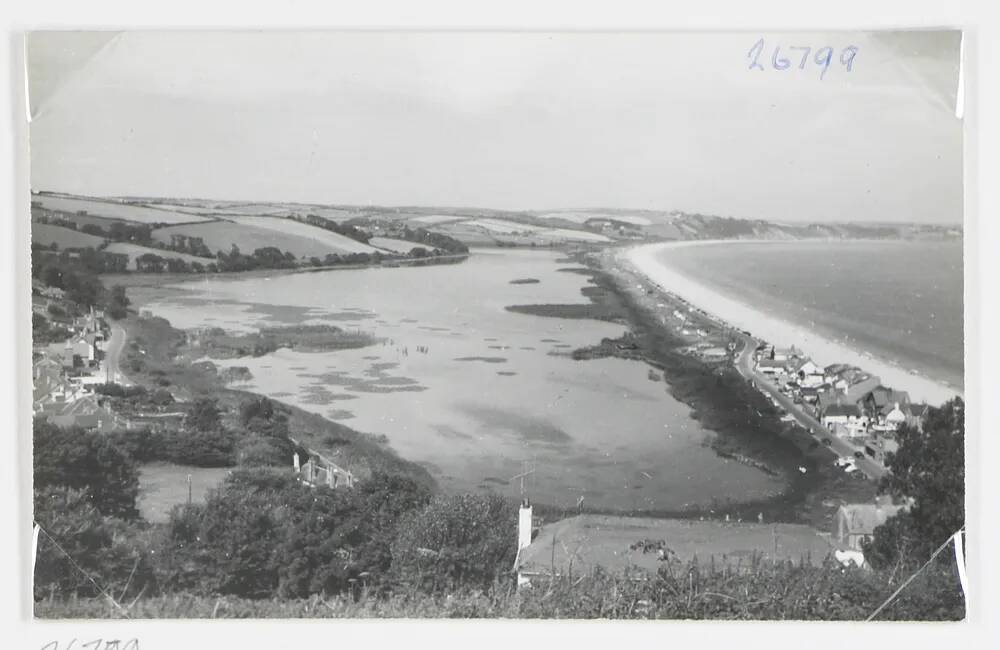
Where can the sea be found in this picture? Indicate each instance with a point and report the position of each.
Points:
(899, 301)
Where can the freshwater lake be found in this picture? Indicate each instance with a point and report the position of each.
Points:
(470, 390)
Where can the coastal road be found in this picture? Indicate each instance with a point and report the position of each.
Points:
(113, 354)
(744, 364)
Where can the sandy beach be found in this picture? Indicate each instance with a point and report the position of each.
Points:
(764, 326)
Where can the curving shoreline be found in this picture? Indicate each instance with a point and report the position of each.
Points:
(644, 259)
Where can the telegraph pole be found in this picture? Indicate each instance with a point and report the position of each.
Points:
(524, 472)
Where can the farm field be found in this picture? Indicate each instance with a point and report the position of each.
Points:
(565, 234)
(513, 231)
(437, 218)
(467, 233)
(503, 226)
(395, 245)
(82, 220)
(47, 234)
(127, 212)
(202, 210)
(584, 217)
(222, 235)
(337, 243)
(135, 251)
(165, 485)
(335, 214)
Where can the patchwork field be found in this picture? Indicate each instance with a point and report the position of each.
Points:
(503, 226)
(335, 214)
(584, 217)
(205, 210)
(135, 251)
(125, 211)
(335, 242)
(47, 234)
(222, 235)
(437, 218)
(564, 234)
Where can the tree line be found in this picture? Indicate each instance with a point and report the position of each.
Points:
(264, 535)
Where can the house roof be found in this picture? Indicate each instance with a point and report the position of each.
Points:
(799, 364)
(86, 405)
(46, 384)
(614, 543)
(835, 410)
(887, 398)
(768, 362)
(864, 518)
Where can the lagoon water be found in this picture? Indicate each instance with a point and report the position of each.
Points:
(471, 390)
(900, 301)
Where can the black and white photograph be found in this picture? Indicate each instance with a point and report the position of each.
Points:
(414, 324)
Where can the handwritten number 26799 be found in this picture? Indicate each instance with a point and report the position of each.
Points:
(798, 54)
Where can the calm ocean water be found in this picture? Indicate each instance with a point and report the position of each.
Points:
(900, 301)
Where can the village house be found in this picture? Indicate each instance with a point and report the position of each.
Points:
(47, 367)
(85, 412)
(320, 470)
(714, 353)
(90, 323)
(783, 354)
(808, 373)
(879, 402)
(855, 523)
(52, 393)
(810, 394)
(770, 366)
(850, 381)
(77, 351)
(845, 420)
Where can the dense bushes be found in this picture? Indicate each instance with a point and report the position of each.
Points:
(111, 389)
(264, 534)
(84, 498)
(43, 331)
(88, 461)
(347, 230)
(72, 275)
(95, 554)
(460, 540)
(929, 468)
(437, 240)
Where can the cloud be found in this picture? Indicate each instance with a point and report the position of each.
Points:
(503, 120)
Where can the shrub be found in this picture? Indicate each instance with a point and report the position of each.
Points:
(96, 555)
(466, 539)
(260, 451)
(204, 416)
(85, 460)
(201, 448)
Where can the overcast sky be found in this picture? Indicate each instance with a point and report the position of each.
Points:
(504, 120)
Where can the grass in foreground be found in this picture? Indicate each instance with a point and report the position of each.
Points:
(783, 592)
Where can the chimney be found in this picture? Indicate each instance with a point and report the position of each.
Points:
(295, 462)
(524, 525)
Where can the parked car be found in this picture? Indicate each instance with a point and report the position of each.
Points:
(859, 454)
